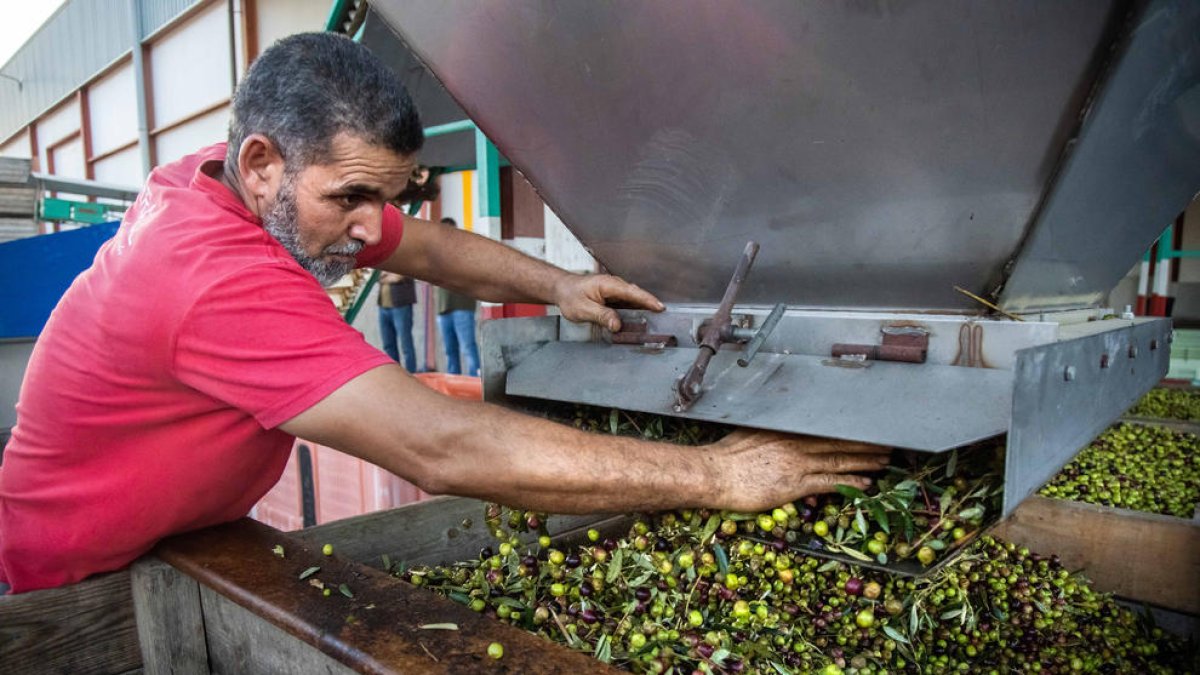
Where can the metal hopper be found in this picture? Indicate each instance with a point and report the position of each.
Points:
(881, 154)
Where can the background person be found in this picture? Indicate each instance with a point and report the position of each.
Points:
(456, 322)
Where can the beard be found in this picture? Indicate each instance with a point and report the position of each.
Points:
(281, 222)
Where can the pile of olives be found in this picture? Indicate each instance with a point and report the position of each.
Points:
(673, 595)
(1139, 467)
(918, 511)
(708, 592)
(1175, 404)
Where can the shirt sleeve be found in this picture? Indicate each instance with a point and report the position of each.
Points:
(392, 231)
(268, 341)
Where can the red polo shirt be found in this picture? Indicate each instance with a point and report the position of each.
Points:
(151, 401)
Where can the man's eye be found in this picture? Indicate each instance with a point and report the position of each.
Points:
(350, 201)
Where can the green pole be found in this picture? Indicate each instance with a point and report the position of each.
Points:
(1165, 243)
(337, 14)
(487, 166)
(449, 128)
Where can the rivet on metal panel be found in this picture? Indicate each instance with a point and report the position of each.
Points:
(1104, 360)
(1069, 373)
(1133, 351)
(1154, 345)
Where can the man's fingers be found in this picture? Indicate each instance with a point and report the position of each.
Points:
(849, 463)
(830, 445)
(607, 318)
(619, 291)
(820, 483)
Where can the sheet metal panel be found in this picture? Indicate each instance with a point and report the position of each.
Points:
(433, 102)
(1135, 167)
(1064, 396)
(922, 407)
(880, 152)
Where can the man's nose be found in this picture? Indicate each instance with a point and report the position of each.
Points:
(368, 225)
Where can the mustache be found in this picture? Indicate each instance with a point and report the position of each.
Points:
(351, 248)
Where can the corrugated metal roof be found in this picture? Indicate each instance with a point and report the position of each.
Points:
(79, 40)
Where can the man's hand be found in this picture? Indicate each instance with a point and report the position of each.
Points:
(761, 470)
(585, 297)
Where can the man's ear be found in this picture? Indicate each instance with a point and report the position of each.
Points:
(260, 169)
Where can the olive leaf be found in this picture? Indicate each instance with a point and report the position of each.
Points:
(309, 572)
(614, 566)
(722, 559)
(894, 634)
(850, 492)
(438, 626)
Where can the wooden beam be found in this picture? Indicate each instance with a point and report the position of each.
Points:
(170, 623)
(1140, 556)
(85, 130)
(85, 628)
(36, 162)
(374, 627)
(109, 153)
(212, 107)
(249, 31)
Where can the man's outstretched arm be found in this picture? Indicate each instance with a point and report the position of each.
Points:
(490, 271)
(449, 446)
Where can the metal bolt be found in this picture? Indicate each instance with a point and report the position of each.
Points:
(1153, 345)
(1133, 351)
(1104, 360)
(1069, 373)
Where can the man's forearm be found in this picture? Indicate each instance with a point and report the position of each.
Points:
(525, 461)
(489, 270)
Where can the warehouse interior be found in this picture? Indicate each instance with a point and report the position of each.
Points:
(966, 233)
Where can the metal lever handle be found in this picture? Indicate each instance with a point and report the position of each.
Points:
(760, 337)
(688, 388)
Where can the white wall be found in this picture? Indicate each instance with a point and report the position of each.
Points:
(190, 137)
(68, 159)
(563, 249)
(280, 18)
(55, 126)
(123, 168)
(112, 104)
(190, 66)
(452, 196)
(17, 147)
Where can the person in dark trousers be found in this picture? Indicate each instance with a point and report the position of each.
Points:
(169, 384)
(397, 295)
(456, 322)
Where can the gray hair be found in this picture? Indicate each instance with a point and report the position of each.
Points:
(307, 88)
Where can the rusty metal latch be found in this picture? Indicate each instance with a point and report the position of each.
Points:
(688, 388)
(900, 343)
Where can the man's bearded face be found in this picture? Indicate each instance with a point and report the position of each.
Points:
(282, 222)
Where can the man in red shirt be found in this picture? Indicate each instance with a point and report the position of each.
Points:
(166, 388)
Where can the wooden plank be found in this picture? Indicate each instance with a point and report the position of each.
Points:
(439, 530)
(170, 623)
(241, 642)
(14, 170)
(84, 629)
(18, 201)
(377, 628)
(1140, 556)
